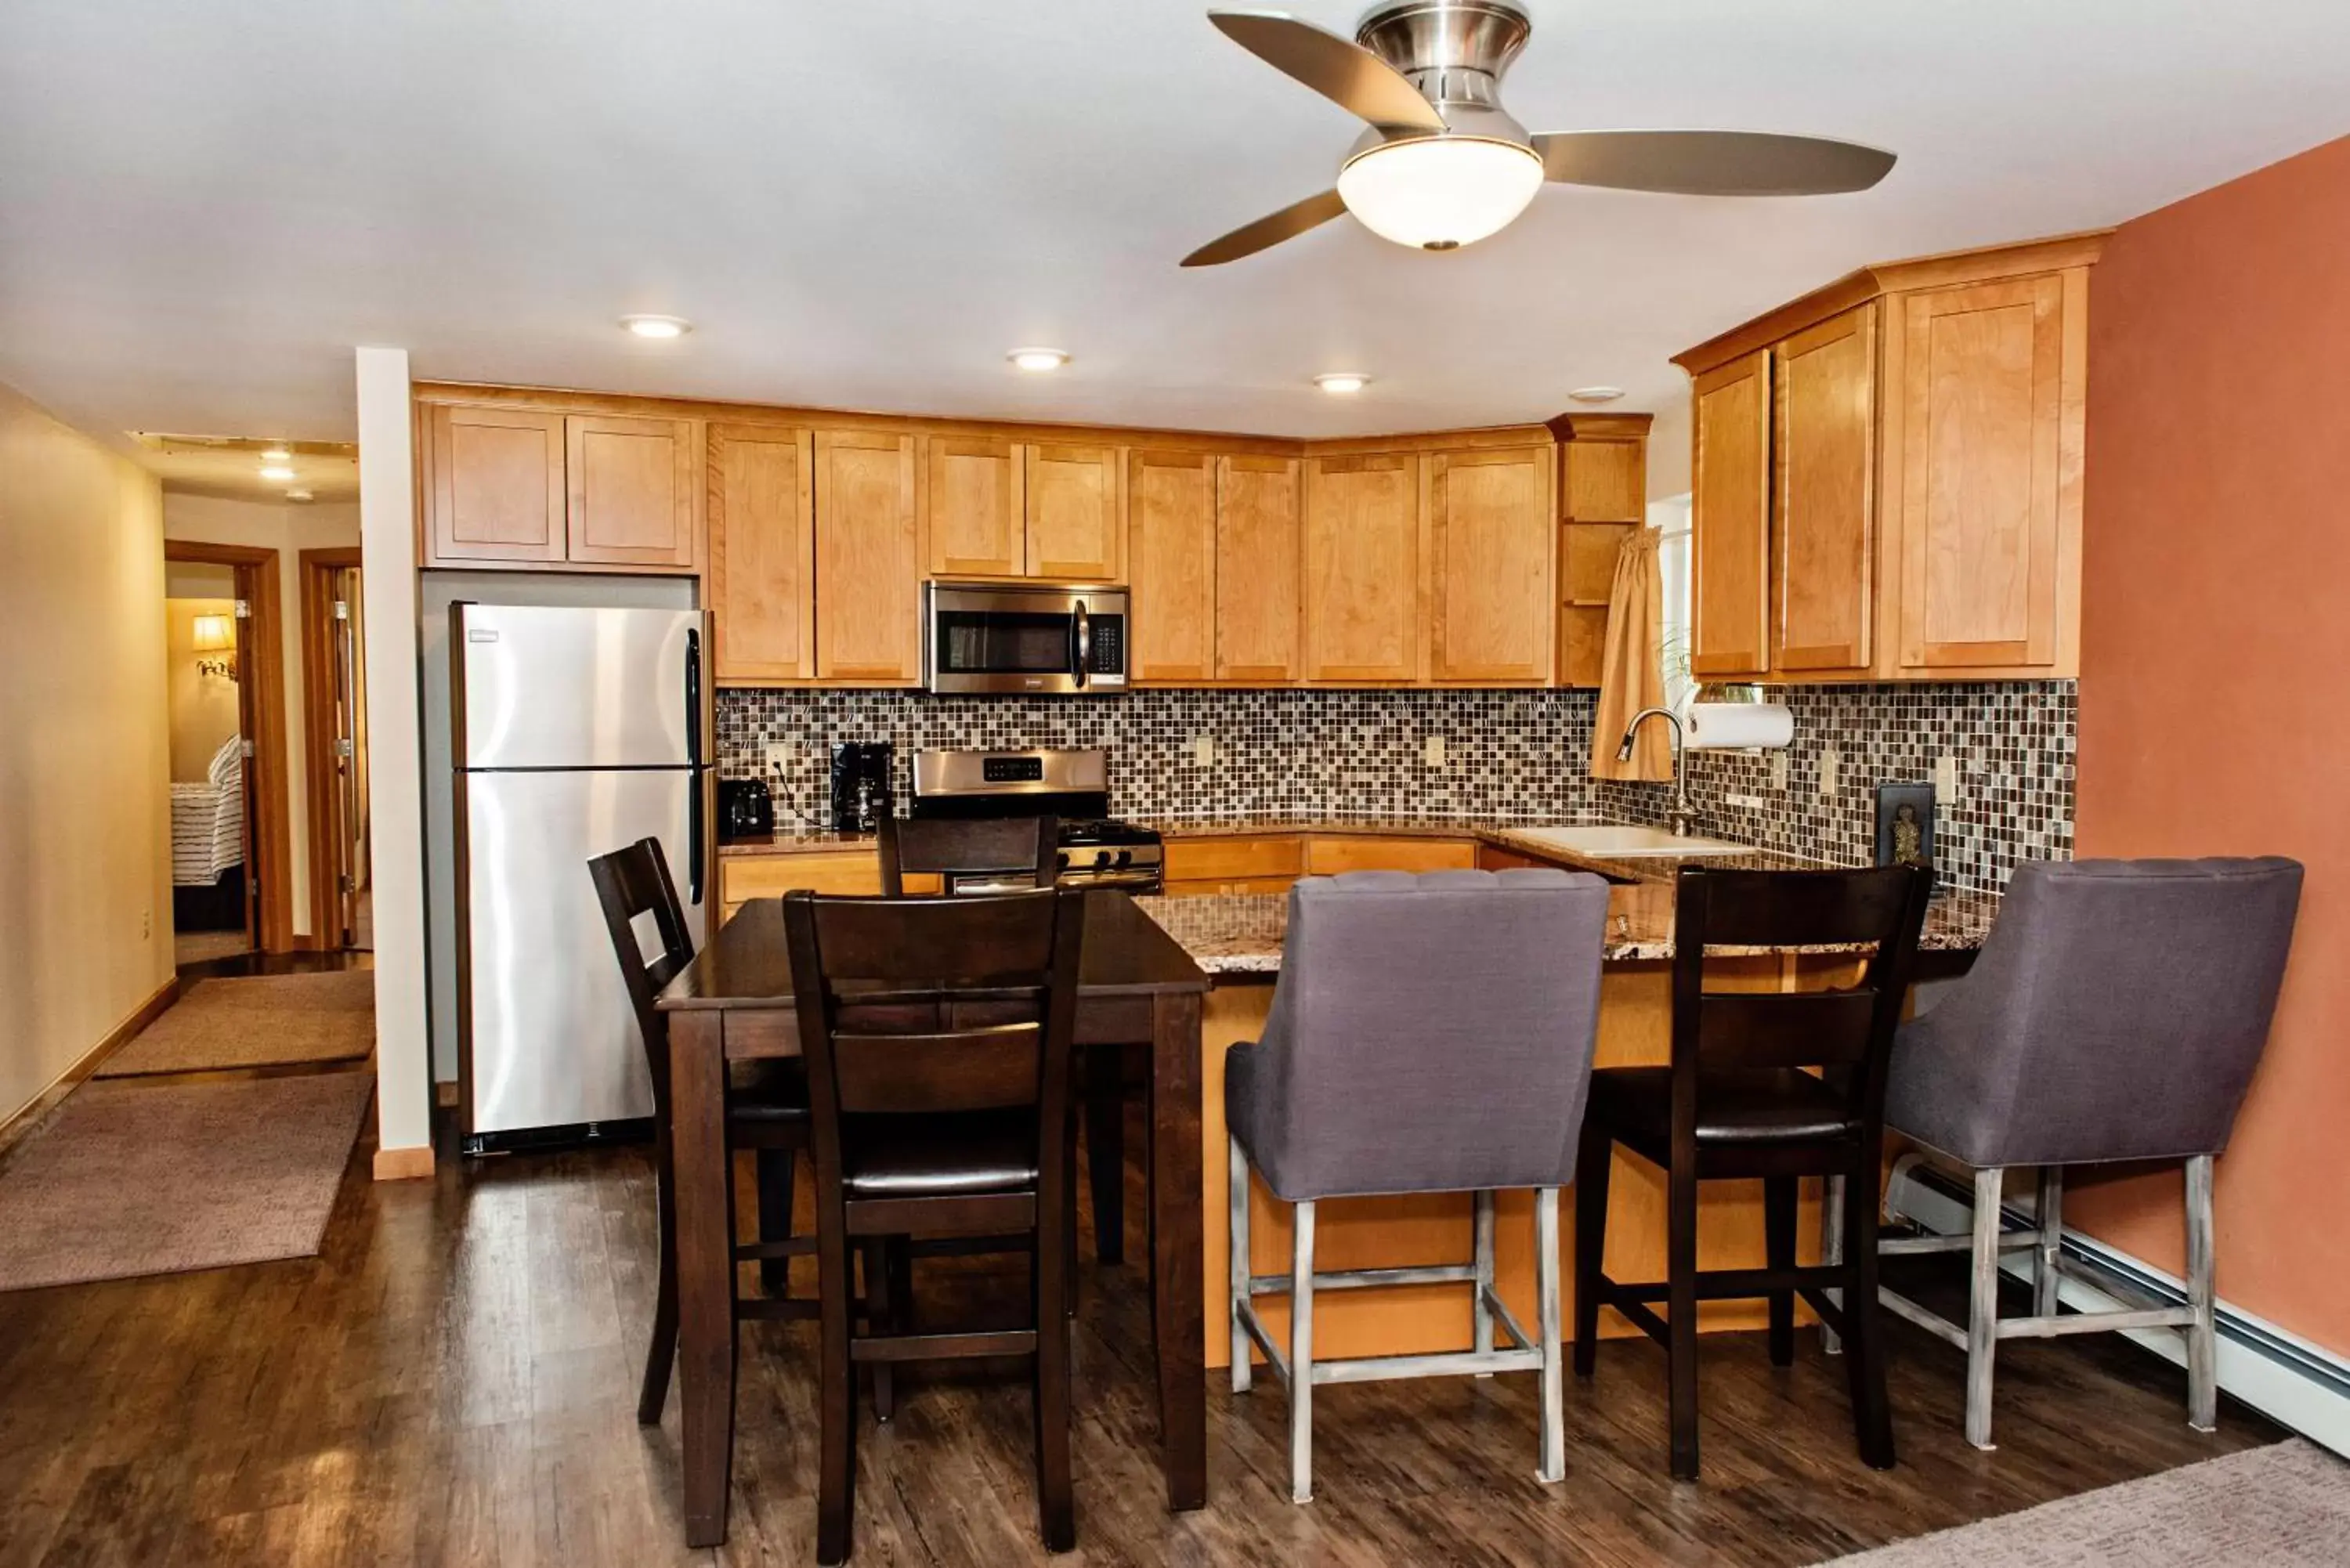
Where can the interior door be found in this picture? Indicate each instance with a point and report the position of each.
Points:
(352, 838)
(247, 727)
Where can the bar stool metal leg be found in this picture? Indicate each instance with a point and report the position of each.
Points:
(1237, 1230)
(1546, 1291)
(2049, 1219)
(1301, 1357)
(2202, 1337)
(1832, 1254)
(1982, 1308)
(1483, 1315)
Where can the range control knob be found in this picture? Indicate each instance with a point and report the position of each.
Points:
(1125, 858)
(1101, 857)
(1061, 860)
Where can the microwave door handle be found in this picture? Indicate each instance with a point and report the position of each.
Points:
(1084, 663)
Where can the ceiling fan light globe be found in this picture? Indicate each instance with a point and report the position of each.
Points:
(1439, 193)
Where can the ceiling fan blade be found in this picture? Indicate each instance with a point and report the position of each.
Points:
(1340, 69)
(1711, 163)
(1268, 230)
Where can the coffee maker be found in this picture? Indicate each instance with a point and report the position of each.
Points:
(860, 784)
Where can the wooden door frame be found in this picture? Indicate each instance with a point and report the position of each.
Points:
(263, 664)
(317, 570)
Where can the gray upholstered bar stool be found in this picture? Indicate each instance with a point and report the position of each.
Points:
(1429, 1033)
(2117, 1013)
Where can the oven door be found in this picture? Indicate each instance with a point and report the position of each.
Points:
(1040, 640)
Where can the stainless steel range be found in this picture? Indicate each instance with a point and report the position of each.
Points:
(1096, 850)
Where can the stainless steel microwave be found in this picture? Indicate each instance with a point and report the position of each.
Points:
(1023, 637)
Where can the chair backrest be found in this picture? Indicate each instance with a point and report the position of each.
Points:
(936, 1005)
(2118, 1012)
(629, 883)
(1002, 852)
(1875, 913)
(1433, 1034)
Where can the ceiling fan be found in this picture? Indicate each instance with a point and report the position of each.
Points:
(1443, 165)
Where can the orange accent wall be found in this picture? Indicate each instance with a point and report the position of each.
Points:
(2215, 640)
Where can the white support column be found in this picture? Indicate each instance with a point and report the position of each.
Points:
(395, 766)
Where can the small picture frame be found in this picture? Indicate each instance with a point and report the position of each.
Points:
(1905, 823)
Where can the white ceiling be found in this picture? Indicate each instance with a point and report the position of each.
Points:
(864, 204)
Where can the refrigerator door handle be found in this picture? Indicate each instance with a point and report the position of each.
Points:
(696, 850)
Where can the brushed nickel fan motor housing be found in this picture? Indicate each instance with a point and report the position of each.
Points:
(1454, 52)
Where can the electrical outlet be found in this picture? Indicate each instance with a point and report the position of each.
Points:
(779, 757)
(1831, 762)
(1779, 770)
(1750, 801)
(1203, 751)
(1946, 778)
(1431, 750)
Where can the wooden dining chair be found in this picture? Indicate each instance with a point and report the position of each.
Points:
(766, 1108)
(944, 1127)
(1736, 1104)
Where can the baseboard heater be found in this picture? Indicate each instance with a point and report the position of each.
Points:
(2285, 1377)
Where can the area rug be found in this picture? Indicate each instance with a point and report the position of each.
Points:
(155, 1178)
(2280, 1507)
(256, 1021)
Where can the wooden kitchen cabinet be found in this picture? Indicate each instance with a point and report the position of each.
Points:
(1492, 559)
(1361, 599)
(1918, 428)
(847, 873)
(494, 488)
(1825, 498)
(1170, 548)
(1073, 530)
(869, 559)
(634, 496)
(762, 520)
(1730, 550)
(1258, 510)
(978, 521)
(1603, 493)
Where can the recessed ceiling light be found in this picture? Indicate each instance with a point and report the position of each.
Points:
(1342, 381)
(275, 454)
(298, 496)
(657, 326)
(1596, 394)
(1038, 359)
(276, 472)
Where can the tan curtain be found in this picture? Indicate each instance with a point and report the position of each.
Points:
(1631, 677)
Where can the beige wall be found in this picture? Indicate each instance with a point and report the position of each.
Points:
(85, 826)
(289, 530)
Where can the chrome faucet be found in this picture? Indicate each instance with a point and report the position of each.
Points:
(1681, 816)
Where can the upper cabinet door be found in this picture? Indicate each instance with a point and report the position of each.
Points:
(1990, 472)
(1073, 528)
(1362, 568)
(1492, 550)
(1729, 522)
(869, 559)
(633, 496)
(1170, 504)
(1257, 507)
(496, 488)
(976, 515)
(1826, 521)
(762, 552)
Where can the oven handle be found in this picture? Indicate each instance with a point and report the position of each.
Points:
(1082, 667)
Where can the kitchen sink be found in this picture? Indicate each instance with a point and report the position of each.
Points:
(1608, 839)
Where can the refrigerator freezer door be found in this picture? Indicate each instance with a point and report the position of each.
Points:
(550, 1037)
(549, 687)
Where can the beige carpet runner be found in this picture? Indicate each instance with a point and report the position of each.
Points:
(137, 1179)
(257, 1021)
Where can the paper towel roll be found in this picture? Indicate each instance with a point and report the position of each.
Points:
(1716, 726)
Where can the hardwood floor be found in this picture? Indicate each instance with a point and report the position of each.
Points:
(453, 1382)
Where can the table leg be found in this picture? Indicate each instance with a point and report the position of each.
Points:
(1177, 1324)
(705, 1266)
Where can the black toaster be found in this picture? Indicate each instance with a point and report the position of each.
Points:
(745, 809)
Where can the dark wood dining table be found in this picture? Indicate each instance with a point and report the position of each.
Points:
(733, 1003)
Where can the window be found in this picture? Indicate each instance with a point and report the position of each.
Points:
(1671, 520)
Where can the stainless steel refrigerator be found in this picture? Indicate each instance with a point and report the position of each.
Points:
(575, 731)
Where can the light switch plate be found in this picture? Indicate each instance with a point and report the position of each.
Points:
(1431, 750)
(779, 757)
(1831, 763)
(1779, 770)
(1946, 778)
(1203, 751)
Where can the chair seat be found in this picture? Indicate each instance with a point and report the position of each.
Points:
(1776, 1106)
(965, 1154)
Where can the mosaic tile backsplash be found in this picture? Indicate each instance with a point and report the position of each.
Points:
(1510, 756)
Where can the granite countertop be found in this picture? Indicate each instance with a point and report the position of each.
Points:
(1502, 835)
(795, 841)
(1240, 934)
